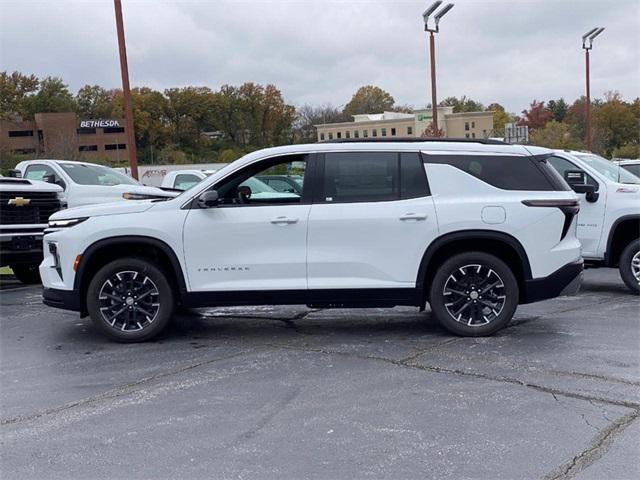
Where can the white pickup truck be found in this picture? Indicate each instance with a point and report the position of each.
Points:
(25, 207)
(87, 183)
(609, 218)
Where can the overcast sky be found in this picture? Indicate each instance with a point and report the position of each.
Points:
(320, 51)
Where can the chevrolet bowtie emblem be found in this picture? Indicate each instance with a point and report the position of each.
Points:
(19, 201)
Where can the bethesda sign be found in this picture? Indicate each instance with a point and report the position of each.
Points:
(99, 123)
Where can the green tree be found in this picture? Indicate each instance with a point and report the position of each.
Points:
(369, 99)
(555, 135)
(189, 111)
(52, 96)
(558, 108)
(462, 104)
(150, 122)
(630, 150)
(93, 101)
(15, 89)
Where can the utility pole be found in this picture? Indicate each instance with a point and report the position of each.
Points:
(587, 44)
(432, 51)
(126, 91)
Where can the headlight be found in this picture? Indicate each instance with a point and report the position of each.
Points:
(69, 222)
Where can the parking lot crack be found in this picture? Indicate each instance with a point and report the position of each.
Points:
(119, 391)
(599, 446)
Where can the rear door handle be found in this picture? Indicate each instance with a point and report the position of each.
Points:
(283, 220)
(414, 216)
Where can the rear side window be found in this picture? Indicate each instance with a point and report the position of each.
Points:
(635, 169)
(507, 172)
(373, 177)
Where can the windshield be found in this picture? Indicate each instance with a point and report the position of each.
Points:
(610, 170)
(89, 174)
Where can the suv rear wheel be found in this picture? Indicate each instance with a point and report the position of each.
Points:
(130, 300)
(630, 266)
(474, 294)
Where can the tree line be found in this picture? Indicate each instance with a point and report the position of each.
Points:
(197, 124)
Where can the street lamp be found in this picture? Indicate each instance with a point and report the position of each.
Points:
(587, 44)
(432, 48)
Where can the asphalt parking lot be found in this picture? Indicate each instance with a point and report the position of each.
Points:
(288, 392)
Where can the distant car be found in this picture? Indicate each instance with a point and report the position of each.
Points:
(88, 183)
(632, 166)
(184, 179)
(283, 183)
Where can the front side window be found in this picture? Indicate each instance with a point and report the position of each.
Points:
(507, 172)
(185, 181)
(86, 174)
(250, 188)
(373, 177)
(561, 165)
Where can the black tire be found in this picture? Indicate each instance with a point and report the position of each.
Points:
(630, 263)
(463, 305)
(27, 273)
(113, 295)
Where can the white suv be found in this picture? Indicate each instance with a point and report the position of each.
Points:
(609, 219)
(474, 228)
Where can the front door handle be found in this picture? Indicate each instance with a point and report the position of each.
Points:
(413, 216)
(283, 220)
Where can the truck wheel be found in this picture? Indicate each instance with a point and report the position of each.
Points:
(474, 294)
(630, 266)
(130, 300)
(28, 274)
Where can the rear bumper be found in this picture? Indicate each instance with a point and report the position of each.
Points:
(65, 299)
(564, 281)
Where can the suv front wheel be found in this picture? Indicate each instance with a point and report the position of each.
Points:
(630, 266)
(473, 294)
(130, 300)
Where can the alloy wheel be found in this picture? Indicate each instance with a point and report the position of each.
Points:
(129, 301)
(635, 266)
(474, 295)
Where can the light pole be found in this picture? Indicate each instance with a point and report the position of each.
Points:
(126, 91)
(587, 44)
(432, 49)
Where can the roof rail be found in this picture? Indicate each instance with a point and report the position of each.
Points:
(484, 141)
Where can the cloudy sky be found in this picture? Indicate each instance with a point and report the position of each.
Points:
(321, 51)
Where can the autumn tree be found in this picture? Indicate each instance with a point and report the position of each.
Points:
(537, 116)
(369, 99)
(189, 112)
(615, 119)
(500, 116)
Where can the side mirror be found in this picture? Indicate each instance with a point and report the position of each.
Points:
(575, 177)
(577, 180)
(15, 173)
(208, 199)
(49, 178)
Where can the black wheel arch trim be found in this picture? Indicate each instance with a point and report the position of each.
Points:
(140, 239)
(612, 232)
(448, 238)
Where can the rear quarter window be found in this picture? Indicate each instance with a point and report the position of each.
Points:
(507, 172)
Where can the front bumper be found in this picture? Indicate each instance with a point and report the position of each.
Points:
(564, 281)
(65, 299)
(21, 249)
